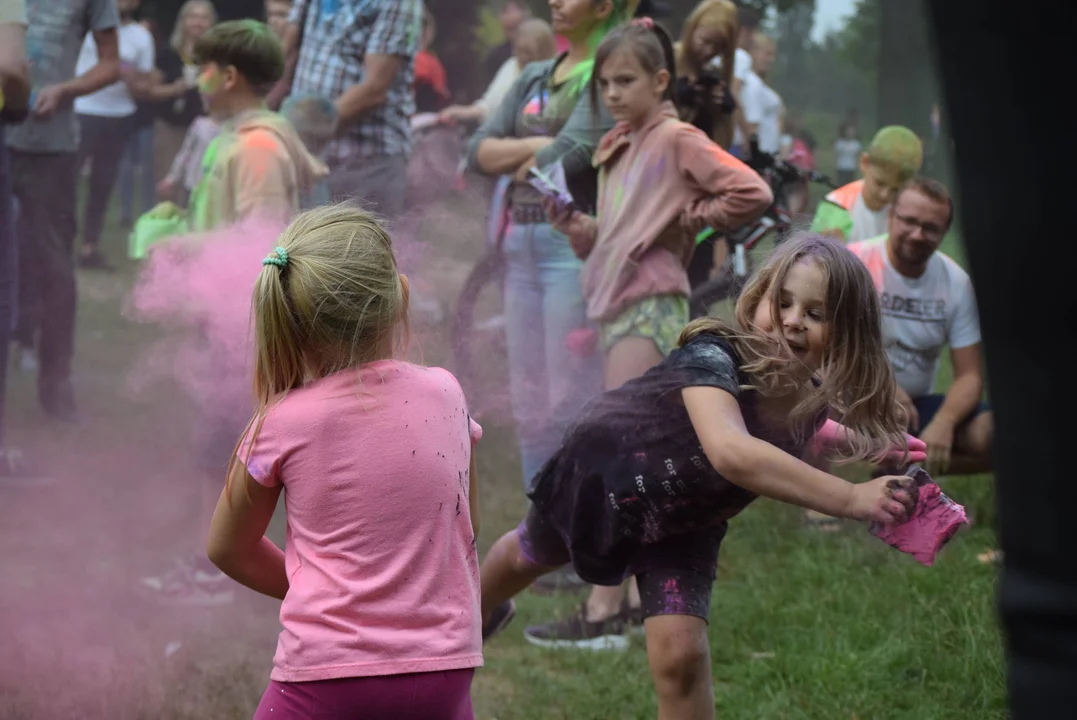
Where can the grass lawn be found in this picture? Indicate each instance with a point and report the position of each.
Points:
(803, 625)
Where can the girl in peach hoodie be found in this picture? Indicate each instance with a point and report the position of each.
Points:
(661, 181)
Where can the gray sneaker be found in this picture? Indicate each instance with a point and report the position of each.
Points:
(576, 632)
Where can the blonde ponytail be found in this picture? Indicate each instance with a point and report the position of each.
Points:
(329, 298)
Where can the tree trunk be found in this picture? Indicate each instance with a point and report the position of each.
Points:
(907, 84)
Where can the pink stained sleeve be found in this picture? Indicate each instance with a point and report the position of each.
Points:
(732, 194)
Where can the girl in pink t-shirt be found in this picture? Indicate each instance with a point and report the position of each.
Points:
(379, 575)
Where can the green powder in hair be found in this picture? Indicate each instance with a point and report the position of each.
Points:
(898, 147)
(581, 74)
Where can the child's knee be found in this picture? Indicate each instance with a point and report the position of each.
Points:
(679, 656)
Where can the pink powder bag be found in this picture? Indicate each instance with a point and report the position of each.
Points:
(934, 521)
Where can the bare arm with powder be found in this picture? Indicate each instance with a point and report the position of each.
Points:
(237, 543)
(763, 469)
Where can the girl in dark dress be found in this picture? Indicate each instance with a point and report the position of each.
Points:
(649, 475)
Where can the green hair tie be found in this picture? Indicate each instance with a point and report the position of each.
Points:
(281, 260)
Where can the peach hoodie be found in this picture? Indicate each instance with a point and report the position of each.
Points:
(647, 182)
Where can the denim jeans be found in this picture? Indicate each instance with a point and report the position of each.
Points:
(8, 263)
(137, 174)
(543, 304)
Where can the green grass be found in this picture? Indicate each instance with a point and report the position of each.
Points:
(803, 624)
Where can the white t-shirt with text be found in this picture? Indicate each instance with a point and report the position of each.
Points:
(921, 315)
(136, 53)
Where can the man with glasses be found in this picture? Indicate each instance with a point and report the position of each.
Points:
(928, 303)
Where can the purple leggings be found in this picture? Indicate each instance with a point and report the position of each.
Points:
(417, 696)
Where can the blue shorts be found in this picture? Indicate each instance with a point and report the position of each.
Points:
(928, 405)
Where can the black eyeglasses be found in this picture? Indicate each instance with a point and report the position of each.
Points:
(928, 229)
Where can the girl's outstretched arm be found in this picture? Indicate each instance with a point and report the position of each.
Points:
(760, 467)
(237, 541)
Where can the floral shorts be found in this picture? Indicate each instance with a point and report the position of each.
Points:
(659, 318)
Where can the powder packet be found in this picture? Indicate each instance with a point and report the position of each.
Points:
(935, 519)
(551, 183)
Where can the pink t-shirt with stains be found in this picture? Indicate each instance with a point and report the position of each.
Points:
(380, 553)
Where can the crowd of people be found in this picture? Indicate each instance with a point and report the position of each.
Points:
(640, 435)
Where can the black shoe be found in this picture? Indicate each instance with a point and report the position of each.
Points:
(58, 400)
(94, 260)
(562, 581)
(499, 620)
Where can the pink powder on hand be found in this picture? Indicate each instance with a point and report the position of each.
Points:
(934, 521)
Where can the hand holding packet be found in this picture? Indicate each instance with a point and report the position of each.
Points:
(551, 185)
(933, 522)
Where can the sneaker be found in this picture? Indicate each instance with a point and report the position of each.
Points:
(27, 360)
(14, 472)
(499, 620)
(559, 581)
(189, 585)
(575, 631)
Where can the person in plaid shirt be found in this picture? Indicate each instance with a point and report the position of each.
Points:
(361, 54)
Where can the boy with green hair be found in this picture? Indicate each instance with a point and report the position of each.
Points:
(258, 165)
(858, 211)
